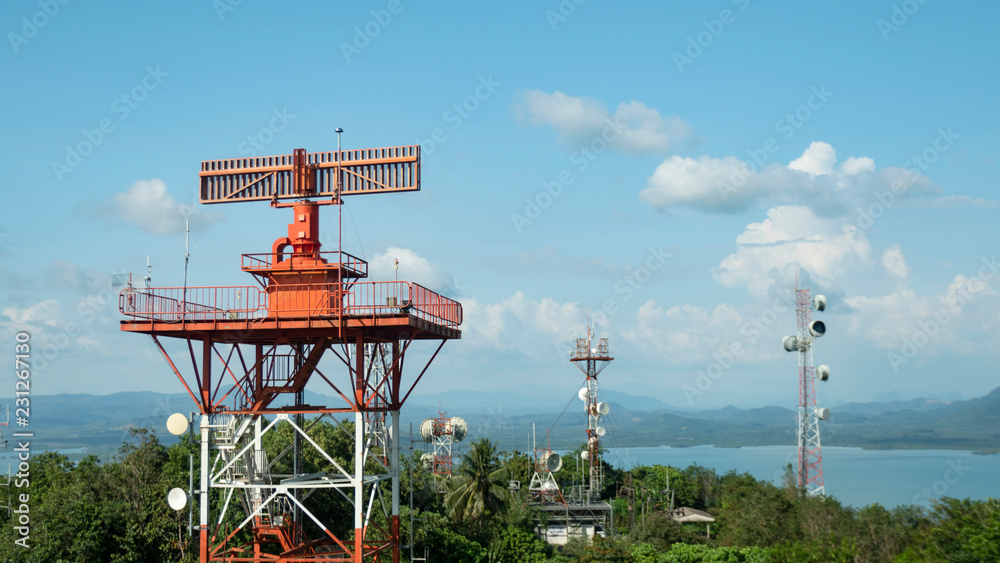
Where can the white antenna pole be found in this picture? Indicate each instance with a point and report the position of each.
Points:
(149, 273)
(187, 254)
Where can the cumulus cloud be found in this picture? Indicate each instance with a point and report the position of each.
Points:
(632, 128)
(894, 261)
(412, 268)
(148, 205)
(730, 185)
(793, 236)
(534, 327)
(684, 333)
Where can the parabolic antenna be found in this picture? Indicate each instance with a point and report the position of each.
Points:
(823, 372)
(583, 393)
(790, 343)
(817, 328)
(551, 461)
(427, 460)
(585, 455)
(177, 424)
(601, 431)
(427, 430)
(603, 408)
(459, 429)
(823, 413)
(819, 303)
(177, 498)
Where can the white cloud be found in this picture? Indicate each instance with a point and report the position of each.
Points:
(818, 159)
(148, 205)
(45, 312)
(532, 327)
(412, 268)
(729, 185)
(684, 333)
(632, 128)
(894, 261)
(768, 251)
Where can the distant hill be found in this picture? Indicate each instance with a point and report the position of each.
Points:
(100, 423)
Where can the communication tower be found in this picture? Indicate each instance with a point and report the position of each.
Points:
(592, 357)
(809, 464)
(254, 348)
(442, 432)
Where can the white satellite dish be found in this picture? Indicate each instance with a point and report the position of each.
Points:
(459, 429)
(177, 498)
(583, 393)
(817, 328)
(427, 430)
(823, 372)
(790, 343)
(600, 431)
(819, 303)
(427, 460)
(551, 461)
(603, 408)
(177, 424)
(585, 455)
(823, 413)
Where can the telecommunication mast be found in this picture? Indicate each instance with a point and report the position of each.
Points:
(255, 347)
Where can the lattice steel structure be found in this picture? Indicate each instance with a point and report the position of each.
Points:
(251, 346)
(809, 462)
(592, 360)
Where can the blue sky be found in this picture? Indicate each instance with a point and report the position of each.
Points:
(671, 167)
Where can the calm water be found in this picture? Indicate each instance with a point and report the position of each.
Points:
(852, 475)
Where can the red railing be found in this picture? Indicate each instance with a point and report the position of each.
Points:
(266, 261)
(360, 300)
(174, 304)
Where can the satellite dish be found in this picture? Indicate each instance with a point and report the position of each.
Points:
(585, 455)
(823, 413)
(601, 431)
(823, 372)
(177, 424)
(819, 303)
(427, 460)
(603, 408)
(427, 430)
(817, 328)
(459, 429)
(583, 393)
(551, 461)
(177, 498)
(790, 343)
(593, 351)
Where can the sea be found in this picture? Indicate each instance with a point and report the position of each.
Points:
(854, 476)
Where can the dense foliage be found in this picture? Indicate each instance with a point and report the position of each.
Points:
(116, 511)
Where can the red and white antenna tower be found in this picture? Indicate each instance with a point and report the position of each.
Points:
(592, 357)
(809, 465)
(442, 432)
(252, 346)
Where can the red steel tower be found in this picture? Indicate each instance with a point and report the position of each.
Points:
(252, 346)
(592, 360)
(809, 465)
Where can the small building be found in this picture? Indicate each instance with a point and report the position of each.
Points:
(687, 514)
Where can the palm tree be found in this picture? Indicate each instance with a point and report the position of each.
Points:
(478, 487)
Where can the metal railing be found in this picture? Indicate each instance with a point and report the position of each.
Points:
(321, 300)
(266, 261)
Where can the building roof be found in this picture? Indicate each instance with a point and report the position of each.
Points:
(686, 514)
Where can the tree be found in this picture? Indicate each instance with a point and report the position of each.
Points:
(479, 486)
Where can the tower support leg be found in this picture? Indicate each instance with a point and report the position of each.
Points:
(203, 493)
